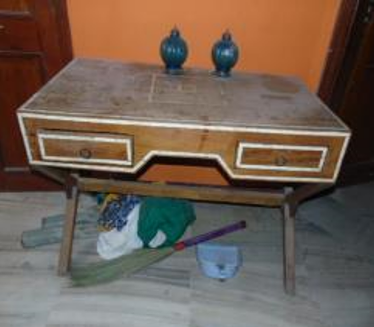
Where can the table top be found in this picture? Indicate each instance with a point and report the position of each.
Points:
(143, 92)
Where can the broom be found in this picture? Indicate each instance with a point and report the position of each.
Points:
(126, 265)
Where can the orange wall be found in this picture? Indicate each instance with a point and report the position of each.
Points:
(286, 37)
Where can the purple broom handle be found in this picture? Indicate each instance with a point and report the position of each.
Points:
(210, 235)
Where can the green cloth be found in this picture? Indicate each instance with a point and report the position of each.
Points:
(172, 216)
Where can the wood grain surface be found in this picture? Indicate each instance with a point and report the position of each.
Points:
(335, 279)
(85, 147)
(220, 146)
(34, 46)
(286, 132)
(110, 89)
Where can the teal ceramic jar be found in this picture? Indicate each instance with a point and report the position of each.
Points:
(225, 54)
(174, 52)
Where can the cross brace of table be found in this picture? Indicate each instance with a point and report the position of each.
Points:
(287, 199)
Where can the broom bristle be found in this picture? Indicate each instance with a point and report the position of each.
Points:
(125, 265)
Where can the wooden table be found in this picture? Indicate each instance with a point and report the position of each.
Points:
(98, 115)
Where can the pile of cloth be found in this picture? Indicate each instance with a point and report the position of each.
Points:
(129, 222)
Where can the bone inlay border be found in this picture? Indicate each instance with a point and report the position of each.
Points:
(247, 145)
(152, 154)
(124, 122)
(98, 139)
(216, 157)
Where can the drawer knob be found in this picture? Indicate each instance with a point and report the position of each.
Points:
(281, 161)
(85, 153)
(2, 27)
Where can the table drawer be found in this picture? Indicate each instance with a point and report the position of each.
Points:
(280, 157)
(88, 148)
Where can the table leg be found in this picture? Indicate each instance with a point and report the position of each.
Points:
(72, 194)
(289, 247)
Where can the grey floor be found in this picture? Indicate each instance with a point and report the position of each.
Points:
(335, 271)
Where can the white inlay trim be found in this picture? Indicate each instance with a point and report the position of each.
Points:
(151, 154)
(265, 130)
(126, 141)
(247, 145)
(124, 122)
(342, 153)
(24, 137)
(127, 170)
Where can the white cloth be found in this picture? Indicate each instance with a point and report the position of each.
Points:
(113, 244)
(159, 239)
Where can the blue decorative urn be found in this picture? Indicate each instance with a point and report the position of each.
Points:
(225, 54)
(174, 52)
